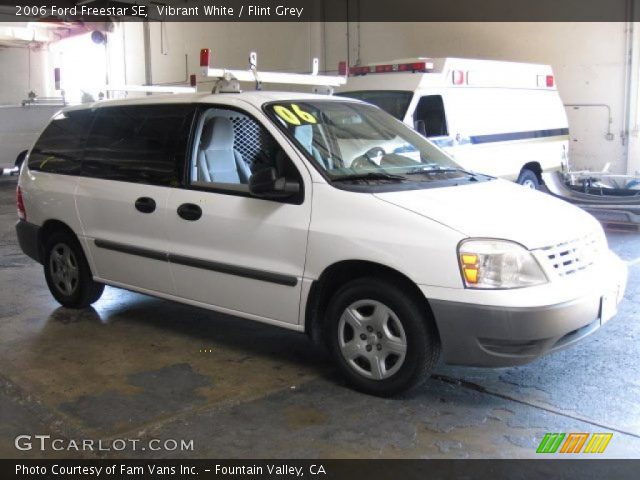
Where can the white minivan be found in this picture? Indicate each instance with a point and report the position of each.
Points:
(500, 118)
(319, 214)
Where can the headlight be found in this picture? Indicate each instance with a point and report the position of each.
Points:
(498, 264)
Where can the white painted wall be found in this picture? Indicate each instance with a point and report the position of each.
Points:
(175, 48)
(633, 165)
(21, 72)
(19, 126)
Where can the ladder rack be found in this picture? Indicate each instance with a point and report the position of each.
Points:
(228, 79)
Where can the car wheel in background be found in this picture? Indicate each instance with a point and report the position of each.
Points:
(529, 179)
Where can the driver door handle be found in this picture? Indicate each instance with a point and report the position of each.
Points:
(190, 211)
(145, 205)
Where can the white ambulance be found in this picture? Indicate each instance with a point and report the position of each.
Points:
(500, 118)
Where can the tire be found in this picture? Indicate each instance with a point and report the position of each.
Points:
(529, 179)
(370, 319)
(67, 272)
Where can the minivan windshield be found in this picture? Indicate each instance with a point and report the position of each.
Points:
(353, 141)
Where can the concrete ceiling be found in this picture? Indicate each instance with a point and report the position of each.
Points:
(43, 31)
(25, 34)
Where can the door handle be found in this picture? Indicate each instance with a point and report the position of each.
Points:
(190, 211)
(145, 205)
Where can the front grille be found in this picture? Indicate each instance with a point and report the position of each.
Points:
(570, 257)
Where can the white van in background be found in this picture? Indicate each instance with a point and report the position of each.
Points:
(500, 118)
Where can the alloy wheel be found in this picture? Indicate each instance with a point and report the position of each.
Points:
(64, 270)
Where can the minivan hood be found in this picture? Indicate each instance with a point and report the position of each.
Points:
(498, 209)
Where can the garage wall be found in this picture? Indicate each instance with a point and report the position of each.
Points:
(588, 59)
(175, 48)
(19, 126)
(14, 74)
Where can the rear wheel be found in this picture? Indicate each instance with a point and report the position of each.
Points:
(67, 272)
(381, 338)
(529, 179)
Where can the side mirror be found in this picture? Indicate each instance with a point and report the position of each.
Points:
(420, 127)
(266, 184)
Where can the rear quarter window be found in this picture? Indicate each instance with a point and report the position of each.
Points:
(60, 146)
(141, 144)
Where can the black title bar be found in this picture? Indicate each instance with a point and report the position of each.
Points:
(324, 10)
(544, 468)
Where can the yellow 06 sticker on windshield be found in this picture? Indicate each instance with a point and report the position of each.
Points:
(294, 115)
(305, 116)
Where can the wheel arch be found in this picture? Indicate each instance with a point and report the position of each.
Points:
(47, 229)
(534, 167)
(338, 274)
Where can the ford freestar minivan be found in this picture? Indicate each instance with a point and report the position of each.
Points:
(319, 214)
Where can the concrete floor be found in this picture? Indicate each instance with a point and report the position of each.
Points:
(136, 367)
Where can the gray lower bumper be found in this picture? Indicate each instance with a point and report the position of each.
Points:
(28, 239)
(489, 336)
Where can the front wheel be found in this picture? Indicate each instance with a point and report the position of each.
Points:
(67, 272)
(382, 339)
(529, 179)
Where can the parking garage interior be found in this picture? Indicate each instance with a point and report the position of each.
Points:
(133, 366)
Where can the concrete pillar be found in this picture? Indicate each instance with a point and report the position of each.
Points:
(148, 76)
(633, 148)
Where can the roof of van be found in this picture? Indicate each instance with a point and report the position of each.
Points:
(477, 73)
(255, 98)
(446, 63)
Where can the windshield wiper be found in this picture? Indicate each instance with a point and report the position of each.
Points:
(370, 176)
(473, 177)
(419, 170)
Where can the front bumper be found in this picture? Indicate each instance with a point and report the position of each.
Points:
(498, 336)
